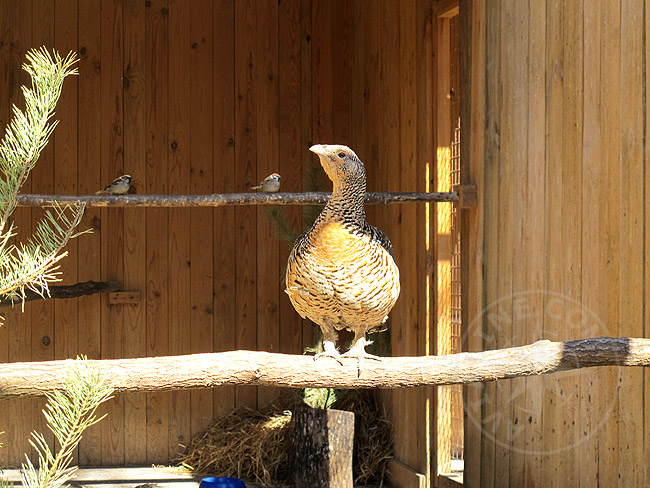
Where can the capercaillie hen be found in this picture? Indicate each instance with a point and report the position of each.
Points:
(341, 272)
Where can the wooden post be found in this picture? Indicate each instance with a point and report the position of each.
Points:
(322, 446)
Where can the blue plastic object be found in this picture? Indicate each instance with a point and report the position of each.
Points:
(221, 482)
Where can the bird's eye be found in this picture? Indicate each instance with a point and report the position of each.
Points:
(343, 154)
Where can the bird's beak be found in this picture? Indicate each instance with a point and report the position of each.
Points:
(319, 149)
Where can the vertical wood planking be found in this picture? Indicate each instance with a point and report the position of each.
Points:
(18, 31)
(157, 229)
(533, 227)
(306, 130)
(568, 385)
(553, 324)
(135, 82)
(593, 255)
(112, 228)
(519, 77)
(342, 34)
(632, 220)
(646, 247)
(490, 239)
(410, 173)
(395, 153)
(65, 177)
(8, 425)
(268, 155)
(502, 328)
(609, 290)
(178, 164)
(322, 68)
(418, 50)
(291, 108)
(224, 182)
(473, 51)
(246, 59)
(42, 181)
(89, 181)
(201, 219)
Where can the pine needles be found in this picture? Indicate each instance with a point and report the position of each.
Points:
(33, 264)
(68, 413)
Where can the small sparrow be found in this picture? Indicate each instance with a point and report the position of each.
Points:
(119, 186)
(271, 184)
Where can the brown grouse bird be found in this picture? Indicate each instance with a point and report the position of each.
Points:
(341, 273)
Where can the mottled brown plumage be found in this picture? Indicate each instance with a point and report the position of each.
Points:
(341, 273)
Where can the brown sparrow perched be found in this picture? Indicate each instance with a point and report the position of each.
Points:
(271, 184)
(119, 186)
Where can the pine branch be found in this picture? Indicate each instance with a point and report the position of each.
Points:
(33, 264)
(68, 412)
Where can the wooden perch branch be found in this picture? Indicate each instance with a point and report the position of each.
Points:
(216, 200)
(65, 291)
(263, 368)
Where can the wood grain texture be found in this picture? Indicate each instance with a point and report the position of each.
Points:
(246, 59)
(21, 379)
(201, 171)
(490, 238)
(42, 179)
(155, 268)
(519, 109)
(632, 216)
(224, 181)
(533, 235)
(135, 75)
(89, 180)
(179, 246)
(473, 73)
(112, 228)
(593, 255)
(292, 41)
(268, 154)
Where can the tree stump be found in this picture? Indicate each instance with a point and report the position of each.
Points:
(322, 442)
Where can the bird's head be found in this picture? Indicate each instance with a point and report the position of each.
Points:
(340, 163)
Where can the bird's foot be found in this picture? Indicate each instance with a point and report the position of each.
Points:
(359, 351)
(329, 352)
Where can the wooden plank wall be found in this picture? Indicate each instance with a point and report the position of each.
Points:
(201, 97)
(557, 248)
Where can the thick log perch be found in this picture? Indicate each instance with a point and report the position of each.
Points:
(65, 291)
(269, 369)
(217, 200)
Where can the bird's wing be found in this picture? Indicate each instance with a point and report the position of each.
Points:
(379, 236)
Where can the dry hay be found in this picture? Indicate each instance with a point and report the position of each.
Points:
(255, 446)
(245, 443)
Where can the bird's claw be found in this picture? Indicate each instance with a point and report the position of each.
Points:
(330, 354)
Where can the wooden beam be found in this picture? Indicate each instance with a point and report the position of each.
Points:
(209, 370)
(216, 199)
(403, 476)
